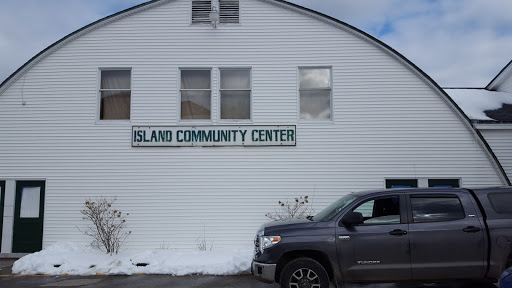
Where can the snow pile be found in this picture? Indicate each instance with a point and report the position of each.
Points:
(475, 101)
(68, 258)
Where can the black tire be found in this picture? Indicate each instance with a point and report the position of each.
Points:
(304, 273)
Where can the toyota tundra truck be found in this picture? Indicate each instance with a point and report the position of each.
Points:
(424, 235)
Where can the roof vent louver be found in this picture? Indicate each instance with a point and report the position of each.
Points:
(229, 11)
(201, 11)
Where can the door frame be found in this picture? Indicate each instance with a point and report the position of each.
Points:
(2, 204)
(17, 206)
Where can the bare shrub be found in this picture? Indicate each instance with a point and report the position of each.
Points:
(297, 208)
(108, 224)
(202, 244)
(165, 246)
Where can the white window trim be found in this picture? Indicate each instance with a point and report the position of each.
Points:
(98, 97)
(331, 98)
(219, 96)
(212, 89)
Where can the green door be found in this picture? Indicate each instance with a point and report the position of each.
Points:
(28, 217)
(2, 197)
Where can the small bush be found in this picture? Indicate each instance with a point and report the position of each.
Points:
(202, 244)
(108, 224)
(297, 208)
(165, 246)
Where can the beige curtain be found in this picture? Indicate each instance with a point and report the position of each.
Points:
(115, 105)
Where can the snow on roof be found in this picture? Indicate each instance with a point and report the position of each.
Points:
(477, 103)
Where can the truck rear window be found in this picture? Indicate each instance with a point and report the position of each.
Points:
(501, 202)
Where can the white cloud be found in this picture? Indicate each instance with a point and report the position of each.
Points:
(458, 43)
(29, 26)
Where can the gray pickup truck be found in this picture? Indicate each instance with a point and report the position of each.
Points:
(425, 235)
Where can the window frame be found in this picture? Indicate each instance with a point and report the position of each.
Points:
(433, 196)
(401, 179)
(98, 95)
(196, 121)
(219, 95)
(331, 97)
(444, 179)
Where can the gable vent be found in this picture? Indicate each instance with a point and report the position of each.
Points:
(229, 11)
(201, 11)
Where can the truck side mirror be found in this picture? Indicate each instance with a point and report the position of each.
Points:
(352, 219)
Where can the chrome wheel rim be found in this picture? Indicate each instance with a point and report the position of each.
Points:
(304, 278)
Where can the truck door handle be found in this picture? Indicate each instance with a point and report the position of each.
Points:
(398, 232)
(471, 229)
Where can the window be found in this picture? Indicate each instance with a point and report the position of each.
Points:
(30, 199)
(443, 183)
(328, 213)
(501, 202)
(115, 93)
(381, 211)
(235, 93)
(229, 11)
(315, 93)
(195, 94)
(401, 183)
(436, 209)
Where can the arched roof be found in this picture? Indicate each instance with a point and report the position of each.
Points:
(320, 16)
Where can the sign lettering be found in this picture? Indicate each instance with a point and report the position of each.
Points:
(204, 136)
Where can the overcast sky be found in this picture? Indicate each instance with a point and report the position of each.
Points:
(459, 43)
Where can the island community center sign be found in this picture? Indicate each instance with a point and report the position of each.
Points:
(204, 136)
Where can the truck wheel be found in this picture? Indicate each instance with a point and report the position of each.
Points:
(304, 273)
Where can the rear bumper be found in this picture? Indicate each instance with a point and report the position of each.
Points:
(264, 272)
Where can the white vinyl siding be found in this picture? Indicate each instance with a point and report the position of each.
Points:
(386, 123)
(500, 141)
(506, 86)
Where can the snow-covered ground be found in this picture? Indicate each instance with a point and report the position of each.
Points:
(68, 258)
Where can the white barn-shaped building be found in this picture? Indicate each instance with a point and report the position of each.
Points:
(145, 106)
